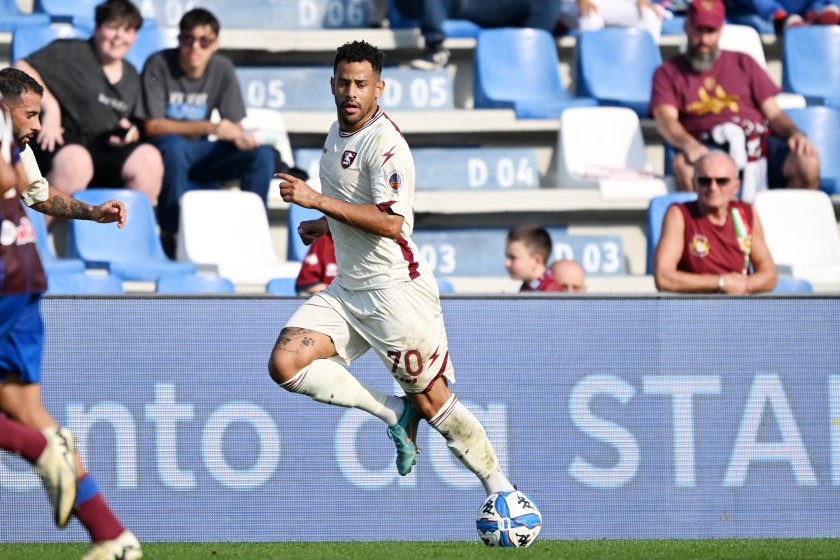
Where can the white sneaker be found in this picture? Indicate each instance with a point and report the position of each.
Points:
(124, 547)
(57, 468)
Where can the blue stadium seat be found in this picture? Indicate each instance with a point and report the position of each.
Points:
(791, 285)
(655, 214)
(297, 214)
(66, 10)
(822, 125)
(27, 40)
(79, 283)
(307, 88)
(811, 63)
(281, 287)
(673, 26)
(194, 284)
(452, 28)
(480, 251)
(13, 18)
(132, 253)
(445, 286)
(517, 68)
(51, 262)
(615, 65)
(151, 39)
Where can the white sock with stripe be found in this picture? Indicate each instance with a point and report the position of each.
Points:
(466, 438)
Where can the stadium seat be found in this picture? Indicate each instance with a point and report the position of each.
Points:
(602, 147)
(615, 65)
(13, 18)
(52, 263)
(822, 125)
(66, 10)
(801, 232)
(296, 249)
(811, 63)
(655, 214)
(281, 287)
(131, 253)
(151, 39)
(226, 232)
(79, 283)
(194, 284)
(27, 40)
(445, 286)
(518, 68)
(789, 285)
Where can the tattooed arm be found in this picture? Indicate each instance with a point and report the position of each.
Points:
(59, 205)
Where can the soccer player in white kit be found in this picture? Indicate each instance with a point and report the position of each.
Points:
(384, 297)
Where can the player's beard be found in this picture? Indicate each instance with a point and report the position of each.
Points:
(700, 62)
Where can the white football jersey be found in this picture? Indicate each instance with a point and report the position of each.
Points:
(372, 165)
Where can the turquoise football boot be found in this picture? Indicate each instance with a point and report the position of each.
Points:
(404, 435)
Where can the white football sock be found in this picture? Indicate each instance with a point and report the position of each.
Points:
(329, 382)
(466, 438)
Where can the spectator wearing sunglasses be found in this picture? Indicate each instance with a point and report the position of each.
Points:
(714, 244)
(711, 98)
(182, 87)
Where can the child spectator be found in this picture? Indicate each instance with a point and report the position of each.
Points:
(526, 258)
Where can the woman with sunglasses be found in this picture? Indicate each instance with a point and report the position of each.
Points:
(714, 244)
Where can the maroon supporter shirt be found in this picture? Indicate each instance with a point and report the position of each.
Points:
(732, 91)
(318, 265)
(545, 283)
(709, 248)
(20, 267)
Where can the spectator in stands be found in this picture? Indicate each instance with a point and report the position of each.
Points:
(90, 95)
(570, 275)
(711, 98)
(319, 268)
(527, 254)
(715, 243)
(181, 89)
(590, 15)
(791, 13)
(542, 14)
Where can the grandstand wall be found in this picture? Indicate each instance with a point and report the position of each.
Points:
(646, 417)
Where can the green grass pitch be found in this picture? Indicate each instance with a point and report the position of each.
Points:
(712, 549)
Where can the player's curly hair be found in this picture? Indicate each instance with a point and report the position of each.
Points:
(360, 51)
(15, 83)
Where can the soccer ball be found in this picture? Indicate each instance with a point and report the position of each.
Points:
(508, 519)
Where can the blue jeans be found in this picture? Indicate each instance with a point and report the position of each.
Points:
(194, 164)
(542, 14)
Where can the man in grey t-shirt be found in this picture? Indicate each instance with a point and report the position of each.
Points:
(181, 88)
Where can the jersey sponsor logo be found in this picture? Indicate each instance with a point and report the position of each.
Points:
(699, 246)
(18, 235)
(395, 181)
(712, 98)
(347, 158)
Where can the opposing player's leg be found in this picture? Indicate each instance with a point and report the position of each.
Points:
(51, 452)
(303, 361)
(20, 398)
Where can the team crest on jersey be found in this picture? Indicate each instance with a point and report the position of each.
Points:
(347, 158)
(395, 181)
(699, 246)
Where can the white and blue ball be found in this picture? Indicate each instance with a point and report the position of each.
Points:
(508, 519)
